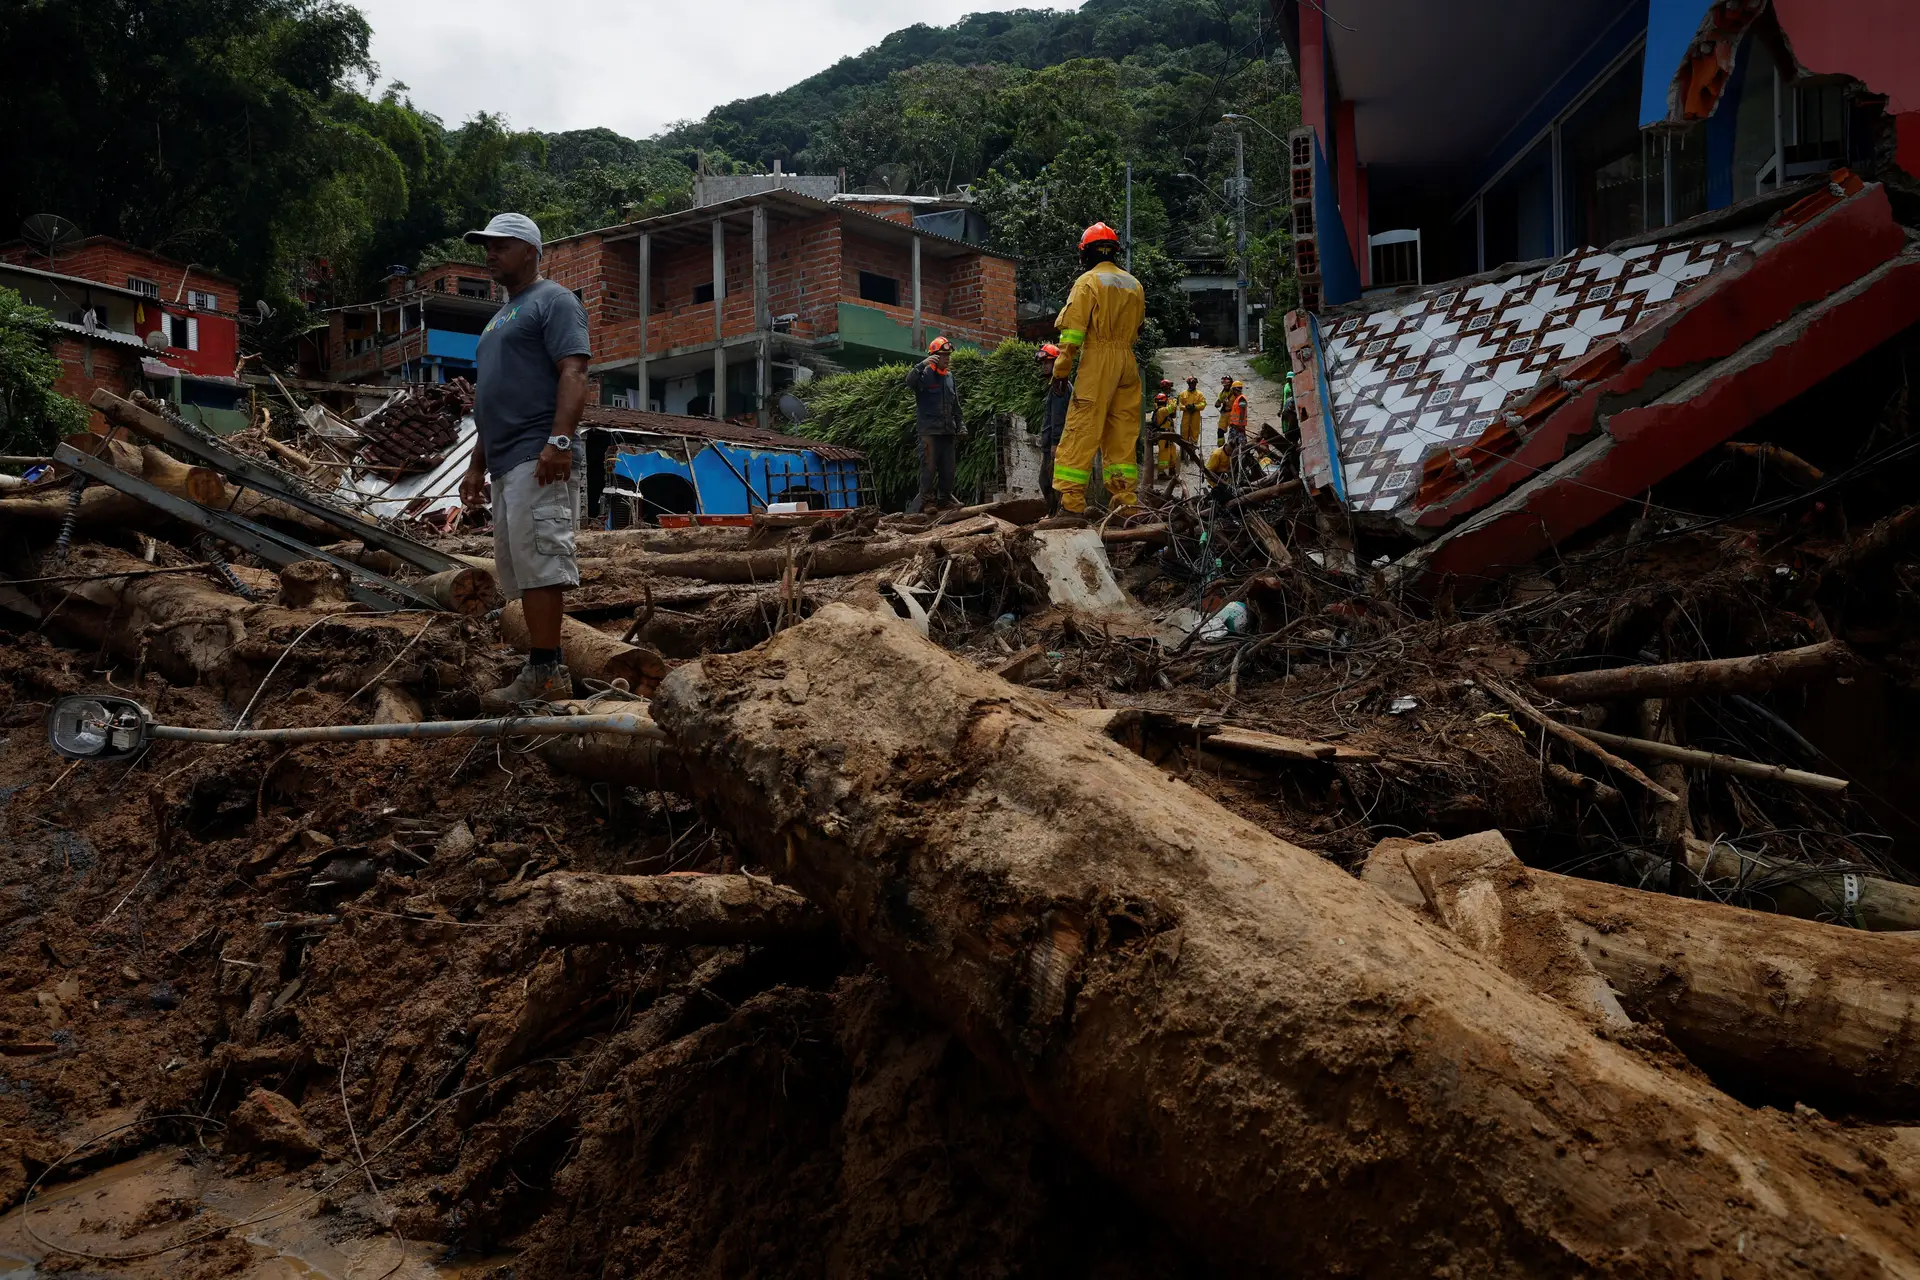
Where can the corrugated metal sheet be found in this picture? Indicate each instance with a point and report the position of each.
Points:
(675, 425)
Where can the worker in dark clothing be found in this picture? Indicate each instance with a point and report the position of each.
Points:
(937, 422)
(1059, 396)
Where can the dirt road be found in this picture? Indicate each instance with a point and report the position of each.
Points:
(1210, 364)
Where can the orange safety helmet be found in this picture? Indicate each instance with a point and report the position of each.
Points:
(1166, 382)
(1161, 398)
(1097, 233)
(1047, 351)
(939, 345)
(1193, 379)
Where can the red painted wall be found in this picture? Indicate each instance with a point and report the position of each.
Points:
(1876, 42)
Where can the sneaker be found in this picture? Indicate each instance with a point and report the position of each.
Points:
(534, 684)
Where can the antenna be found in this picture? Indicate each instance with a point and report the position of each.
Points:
(49, 233)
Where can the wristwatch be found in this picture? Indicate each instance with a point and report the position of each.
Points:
(562, 443)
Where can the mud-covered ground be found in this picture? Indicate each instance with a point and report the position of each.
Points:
(309, 971)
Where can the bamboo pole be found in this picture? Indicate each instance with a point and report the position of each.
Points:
(1714, 762)
(1575, 738)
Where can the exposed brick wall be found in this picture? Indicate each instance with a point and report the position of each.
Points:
(115, 368)
(981, 293)
(895, 260)
(813, 264)
(444, 278)
(112, 261)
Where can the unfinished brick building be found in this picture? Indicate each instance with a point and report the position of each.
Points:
(740, 291)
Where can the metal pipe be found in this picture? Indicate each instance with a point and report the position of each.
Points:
(619, 722)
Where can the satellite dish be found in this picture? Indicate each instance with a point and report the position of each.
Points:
(889, 179)
(262, 313)
(158, 340)
(49, 233)
(793, 408)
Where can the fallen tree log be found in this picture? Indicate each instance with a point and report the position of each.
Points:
(1714, 762)
(1487, 897)
(1755, 674)
(1806, 1010)
(678, 910)
(101, 506)
(1801, 889)
(1300, 1078)
(590, 654)
(624, 759)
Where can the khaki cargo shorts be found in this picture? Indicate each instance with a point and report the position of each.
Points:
(533, 531)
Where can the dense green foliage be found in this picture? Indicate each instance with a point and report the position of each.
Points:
(32, 414)
(234, 133)
(872, 411)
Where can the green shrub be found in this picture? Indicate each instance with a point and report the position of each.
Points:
(872, 411)
(32, 414)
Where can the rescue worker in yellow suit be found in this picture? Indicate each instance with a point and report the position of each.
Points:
(1098, 326)
(1163, 412)
(1223, 402)
(1233, 436)
(1192, 405)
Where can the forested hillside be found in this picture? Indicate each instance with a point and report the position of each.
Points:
(261, 156)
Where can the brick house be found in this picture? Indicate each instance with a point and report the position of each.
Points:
(129, 319)
(423, 328)
(740, 292)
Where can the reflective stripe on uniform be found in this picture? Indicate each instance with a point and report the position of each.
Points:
(1073, 337)
(1128, 469)
(1068, 473)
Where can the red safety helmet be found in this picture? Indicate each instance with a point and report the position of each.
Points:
(1166, 382)
(1097, 233)
(1047, 351)
(1161, 398)
(939, 345)
(1193, 379)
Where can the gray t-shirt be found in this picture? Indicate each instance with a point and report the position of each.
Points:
(516, 377)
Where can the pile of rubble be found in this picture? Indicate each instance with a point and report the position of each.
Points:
(982, 876)
(414, 430)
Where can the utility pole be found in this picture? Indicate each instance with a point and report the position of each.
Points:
(1126, 247)
(1240, 231)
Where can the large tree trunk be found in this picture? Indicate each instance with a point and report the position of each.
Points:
(1798, 1010)
(590, 654)
(104, 506)
(1263, 1049)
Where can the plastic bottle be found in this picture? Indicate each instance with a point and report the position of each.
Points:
(1230, 621)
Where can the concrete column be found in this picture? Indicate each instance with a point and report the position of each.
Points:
(919, 325)
(645, 296)
(719, 313)
(762, 320)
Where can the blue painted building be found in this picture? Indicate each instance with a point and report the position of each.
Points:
(1440, 138)
(641, 466)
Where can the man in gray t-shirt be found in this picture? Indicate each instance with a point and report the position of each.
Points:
(531, 385)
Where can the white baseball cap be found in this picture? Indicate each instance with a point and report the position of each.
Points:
(507, 226)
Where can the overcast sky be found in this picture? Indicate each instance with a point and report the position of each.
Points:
(573, 64)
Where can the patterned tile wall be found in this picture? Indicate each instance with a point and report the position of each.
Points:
(1433, 373)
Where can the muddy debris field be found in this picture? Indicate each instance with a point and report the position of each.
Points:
(991, 894)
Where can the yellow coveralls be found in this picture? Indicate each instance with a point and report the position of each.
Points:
(1192, 406)
(1097, 327)
(1163, 421)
